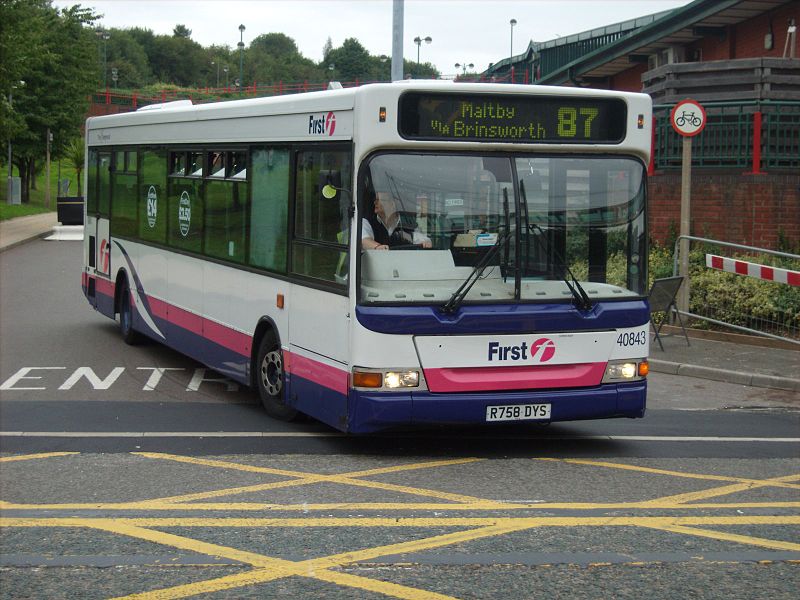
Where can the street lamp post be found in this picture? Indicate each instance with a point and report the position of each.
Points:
(241, 55)
(216, 62)
(418, 41)
(225, 69)
(105, 36)
(10, 165)
(512, 22)
(9, 194)
(464, 66)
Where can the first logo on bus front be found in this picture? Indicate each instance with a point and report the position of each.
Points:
(541, 350)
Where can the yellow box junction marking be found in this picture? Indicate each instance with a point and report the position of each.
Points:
(743, 484)
(4, 459)
(311, 478)
(264, 568)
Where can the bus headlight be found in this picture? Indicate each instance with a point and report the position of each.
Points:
(625, 370)
(398, 379)
(387, 379)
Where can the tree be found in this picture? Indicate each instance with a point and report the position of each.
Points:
(421, 70)
(57, 82)
(178, 60)
(351, 60)
(75, 157)
(126, 53)
(326, 49)
(22, 39)
(182, 31)
(275, 57)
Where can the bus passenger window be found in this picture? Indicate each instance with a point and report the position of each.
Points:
(123, 195)
(269, 209)
(216, 164)
(153, 196)
(238, 166)
(196, 164)
(177, 164)
(321, 225)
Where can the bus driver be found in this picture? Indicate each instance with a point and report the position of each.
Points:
(383, 229)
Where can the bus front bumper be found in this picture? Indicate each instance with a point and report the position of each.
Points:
(374, 411)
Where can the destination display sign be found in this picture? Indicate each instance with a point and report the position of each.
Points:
(505, 118)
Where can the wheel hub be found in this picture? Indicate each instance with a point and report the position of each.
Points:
(272, 372)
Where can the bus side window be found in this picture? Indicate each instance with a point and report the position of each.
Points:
(269, 208)
(320, 228)
(153, 196)
(226, 210)
(104, 183)
(91, 178)
(124, 211)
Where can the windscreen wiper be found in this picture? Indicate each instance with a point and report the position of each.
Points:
(581, 298)
(458, 296)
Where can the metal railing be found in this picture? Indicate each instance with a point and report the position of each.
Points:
(746, 135)
(780, 320)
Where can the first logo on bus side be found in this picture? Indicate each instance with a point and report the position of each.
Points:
(322, 124)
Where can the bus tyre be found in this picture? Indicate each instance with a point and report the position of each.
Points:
(129, 334)
(270, 380)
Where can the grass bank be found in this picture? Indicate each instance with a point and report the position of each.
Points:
(37, 204)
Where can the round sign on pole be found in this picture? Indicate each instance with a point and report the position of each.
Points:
(688, 118)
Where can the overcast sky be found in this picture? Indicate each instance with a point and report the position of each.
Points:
(463, 31)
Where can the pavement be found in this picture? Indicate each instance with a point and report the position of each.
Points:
(737, 359)
(22, 229)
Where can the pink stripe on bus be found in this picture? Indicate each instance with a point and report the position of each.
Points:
(186, 320)
(158, 308)
(104, 286)
(218, 333)
(484, 379)
(227, 337)
(318, 372)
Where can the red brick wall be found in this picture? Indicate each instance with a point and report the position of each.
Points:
(729, 207)
(630, 80)
(746, 40)
(750, 34)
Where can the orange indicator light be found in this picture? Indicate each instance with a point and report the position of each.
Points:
(367, 380)
(279, 301)
(644, 368)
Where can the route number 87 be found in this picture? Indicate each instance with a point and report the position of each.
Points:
(568, 121)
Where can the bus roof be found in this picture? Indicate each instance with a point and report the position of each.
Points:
(331, 99)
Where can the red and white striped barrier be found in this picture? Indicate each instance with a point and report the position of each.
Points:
(742, 267)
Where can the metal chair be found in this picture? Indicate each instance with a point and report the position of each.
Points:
(662, 299)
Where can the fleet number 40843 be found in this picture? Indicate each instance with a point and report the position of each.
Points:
(632, 338)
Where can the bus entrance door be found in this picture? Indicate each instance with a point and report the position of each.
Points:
(102, 247)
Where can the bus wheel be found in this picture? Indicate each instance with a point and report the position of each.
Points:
(270, 377)
(129, 334)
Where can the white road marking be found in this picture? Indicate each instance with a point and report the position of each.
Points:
(303, 434)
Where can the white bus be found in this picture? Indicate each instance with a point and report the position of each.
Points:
(394, 254)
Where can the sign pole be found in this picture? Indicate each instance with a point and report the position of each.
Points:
(686, 211)
(688, 119)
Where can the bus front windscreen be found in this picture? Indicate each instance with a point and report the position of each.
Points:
(521, 225)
